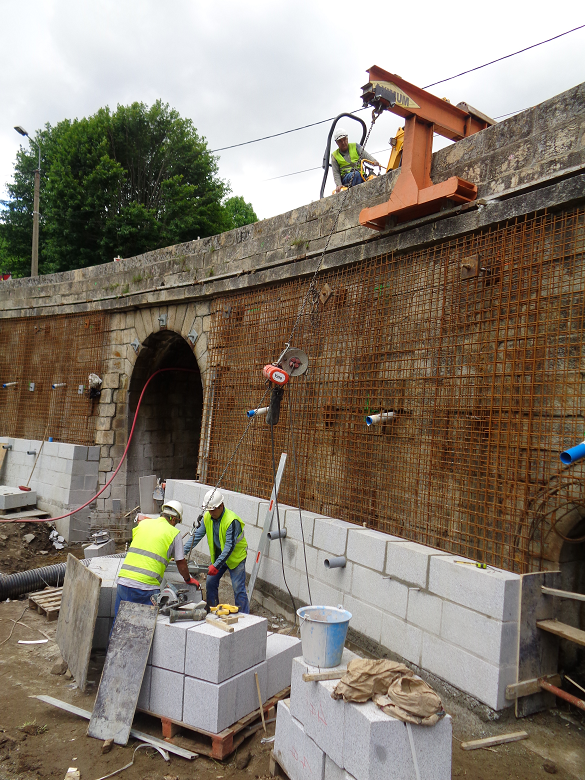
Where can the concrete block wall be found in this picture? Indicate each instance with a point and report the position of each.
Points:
(336, 740)
(65, 477)
(456, 621)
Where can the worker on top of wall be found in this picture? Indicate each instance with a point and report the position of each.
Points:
(346, 159)
(155, 540)
(227, 546)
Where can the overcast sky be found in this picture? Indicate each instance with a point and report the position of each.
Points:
(244, 70)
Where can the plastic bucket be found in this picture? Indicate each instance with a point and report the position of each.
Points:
(323, 632)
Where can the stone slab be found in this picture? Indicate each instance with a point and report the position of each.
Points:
(280, 651)
(13, 498)
(166, 693)
(296, 753)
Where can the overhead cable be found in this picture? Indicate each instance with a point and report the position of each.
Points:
(505, 57)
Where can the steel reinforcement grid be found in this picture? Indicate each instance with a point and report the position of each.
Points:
(38, 352)
(477, 348)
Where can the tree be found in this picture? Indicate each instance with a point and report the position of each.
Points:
(239, 212)
(119, 183)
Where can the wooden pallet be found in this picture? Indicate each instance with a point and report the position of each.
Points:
(218, 746)
(46, 602)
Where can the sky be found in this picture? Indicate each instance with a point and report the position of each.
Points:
(241, 71)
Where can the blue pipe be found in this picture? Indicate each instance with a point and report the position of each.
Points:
(574, 454)
(258, 412)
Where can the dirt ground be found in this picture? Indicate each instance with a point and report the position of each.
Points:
(40, 741)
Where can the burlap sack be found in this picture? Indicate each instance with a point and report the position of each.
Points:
(365, 677)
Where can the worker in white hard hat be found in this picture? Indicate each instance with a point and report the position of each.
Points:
(155, 540)
(346, 160)
(227, 547)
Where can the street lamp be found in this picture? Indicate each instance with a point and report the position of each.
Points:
(34, 268)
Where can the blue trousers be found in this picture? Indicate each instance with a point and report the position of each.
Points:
(137, 596)
(351, 179)
(238, 576)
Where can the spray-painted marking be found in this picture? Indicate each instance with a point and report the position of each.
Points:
(258, 556)
(270, 507)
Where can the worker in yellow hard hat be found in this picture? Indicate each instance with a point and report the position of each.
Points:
(155, 540)
(346, 161)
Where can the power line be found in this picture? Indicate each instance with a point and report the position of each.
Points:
(284, 132)
(323, 121)
(507, 56)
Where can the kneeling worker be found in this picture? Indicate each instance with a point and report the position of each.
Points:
(227, 546)
(155, 540)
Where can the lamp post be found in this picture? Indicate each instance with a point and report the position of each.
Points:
(34, 266)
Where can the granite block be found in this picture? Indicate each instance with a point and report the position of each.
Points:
(402, 638)
(409, 562)
(144, 696)
(169, 644)
(368, 547)
(215, 656)
(331, 535)
(166, 693)
(296, 753)
(303, 694)
(293, 526)
(247, 691)
(425, 611)
(334, 772)
(490, 639)
(387, 595)
(280, 651)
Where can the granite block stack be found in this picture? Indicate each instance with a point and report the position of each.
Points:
(320, 738)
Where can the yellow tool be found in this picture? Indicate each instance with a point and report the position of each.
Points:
(473, 563)
(224, 609)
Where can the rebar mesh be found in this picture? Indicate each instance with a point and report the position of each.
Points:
(47, 351)
(484, 376)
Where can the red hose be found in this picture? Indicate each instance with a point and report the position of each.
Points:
(111, 479)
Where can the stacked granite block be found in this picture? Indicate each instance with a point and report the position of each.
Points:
(206, 678)
(107, 569)
(320, 737)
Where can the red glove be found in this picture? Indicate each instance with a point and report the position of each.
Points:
(212, 570)
(193, 581)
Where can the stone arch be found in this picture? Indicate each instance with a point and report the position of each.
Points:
(168, 427)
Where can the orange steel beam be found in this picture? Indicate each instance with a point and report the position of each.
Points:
(414, 194)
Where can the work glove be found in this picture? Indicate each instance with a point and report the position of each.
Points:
(212, 570)
(193, 581)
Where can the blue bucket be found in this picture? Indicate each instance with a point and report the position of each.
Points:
(323, 633)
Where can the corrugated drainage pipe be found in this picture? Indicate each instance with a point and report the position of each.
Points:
(36, 579)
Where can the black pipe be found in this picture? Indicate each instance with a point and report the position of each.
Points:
(326, 164)
(36, 579)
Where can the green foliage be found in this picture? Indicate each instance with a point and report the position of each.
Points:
(116, 183)
(239, 212)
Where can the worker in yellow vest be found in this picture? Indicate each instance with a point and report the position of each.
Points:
(346, 161)
(227, 547)
(155, 540)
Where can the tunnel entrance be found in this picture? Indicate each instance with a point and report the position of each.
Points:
(166, 437)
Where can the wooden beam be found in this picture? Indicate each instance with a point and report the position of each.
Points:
(219, 623)
(333, 675)
(563, 594)
(528, 687)
(475, 744)
(563, 630)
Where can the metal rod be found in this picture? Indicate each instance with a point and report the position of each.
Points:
(546, 686)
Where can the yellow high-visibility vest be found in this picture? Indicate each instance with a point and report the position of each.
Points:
(146, 560)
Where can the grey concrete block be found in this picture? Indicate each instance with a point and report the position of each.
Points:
(371, 588)
(377, 747)
(93, 453)
(210, 706)
(487, 682)
(297, 754)
(302, 694)
(368, 547)
(169, 644)
(490, 639)
(247, 691)
(214, 655)
(144, 696)
(280, 651)
(13, 498)
(339, 578)
(402, 638)
(288, 550)
(166, 693)
(425, 611)
(105, 602)
(98, 550)
(334, 772)
(493, 593)
(73, 451)
(409, 562)
(246, 507)
(331, 535)
(293, 525)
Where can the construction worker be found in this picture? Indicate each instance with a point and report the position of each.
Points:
(227, 546)
(346, 159)
(155, 540)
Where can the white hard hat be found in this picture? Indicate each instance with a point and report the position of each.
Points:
(213, 499)
(340, 133)
(173, 508)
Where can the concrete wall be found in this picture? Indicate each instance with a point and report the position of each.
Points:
(65, 477)
(454, 620)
